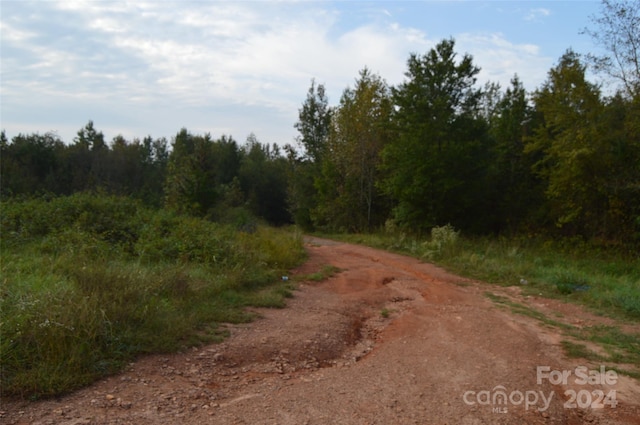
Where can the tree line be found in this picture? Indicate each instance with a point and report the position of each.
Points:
(193, 174)
(436, 149)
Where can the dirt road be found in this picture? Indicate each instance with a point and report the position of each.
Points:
(387, 340)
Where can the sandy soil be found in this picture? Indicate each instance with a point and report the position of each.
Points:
(387, 340)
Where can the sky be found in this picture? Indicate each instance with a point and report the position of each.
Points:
(150, 68)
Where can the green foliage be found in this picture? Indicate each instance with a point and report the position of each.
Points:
(561, 161)
(221, 181)
(568, 140)
(347, 194)
(90, 282)
(584, 155)
(190, 187)
(434, 167)
(323, 274)
(515, 191)
(168, 237)
(606, 281)
(36, 164)
(263, 178)
(443, 238)
(313, 123)
(435, 149)
(30, 164)
(314, 120)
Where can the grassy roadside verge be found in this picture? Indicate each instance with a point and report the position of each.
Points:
(597, 343)
(606, 282)
(88, 283)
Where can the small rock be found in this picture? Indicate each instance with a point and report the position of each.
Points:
(110, 397)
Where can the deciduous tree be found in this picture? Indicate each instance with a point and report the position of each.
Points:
(570, 145)
(617, 32)
(348, 195)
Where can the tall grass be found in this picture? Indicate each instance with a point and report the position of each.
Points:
(90, 282)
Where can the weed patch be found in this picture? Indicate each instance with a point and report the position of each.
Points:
(325, 273)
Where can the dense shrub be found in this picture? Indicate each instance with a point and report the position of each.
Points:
(89, 282)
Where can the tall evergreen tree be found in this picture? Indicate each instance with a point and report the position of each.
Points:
(434, 167)
(314, 118)
(31, 164)
(516, 192)
(190, 186)
(313, 122)
(263, 178)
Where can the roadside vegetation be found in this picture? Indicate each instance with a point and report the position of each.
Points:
(90, 282)
(598, 343)
(605, 281)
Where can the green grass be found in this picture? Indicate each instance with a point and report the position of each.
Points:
(607, 282)
(88, 283)
(580, 351)
(619, 348)
(323, 274)
(524, 310)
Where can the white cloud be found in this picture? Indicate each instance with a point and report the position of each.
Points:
(171, 64)
(501, 59)
(537, 13)
(12, 34)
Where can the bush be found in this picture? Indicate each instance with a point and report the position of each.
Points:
(90, 282)
(112, 219)
(442, 238)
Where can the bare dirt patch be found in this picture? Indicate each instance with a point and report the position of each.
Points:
(387, 340)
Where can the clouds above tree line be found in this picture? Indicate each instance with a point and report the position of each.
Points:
(141, 68)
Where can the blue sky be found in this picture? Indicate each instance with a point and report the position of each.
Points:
(143, 68)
